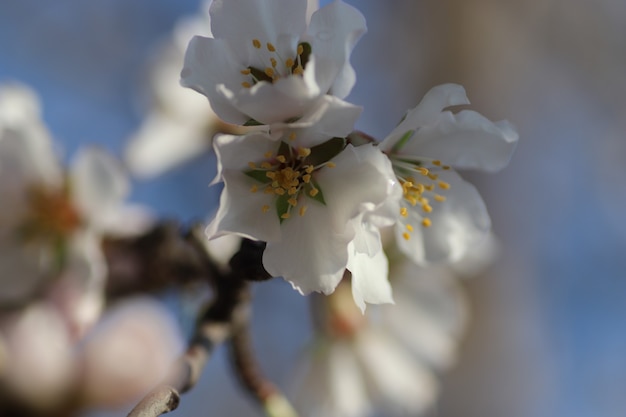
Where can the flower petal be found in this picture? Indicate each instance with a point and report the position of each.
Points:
(334, 30)
(466, 140)
(241, 21)
(369, 278)
(457, 224)
(98, 184)
(209, 63)
(427, 112)
(241, 211)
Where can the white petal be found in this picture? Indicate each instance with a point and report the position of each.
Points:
(209, 63)
(236, 152)
(429, 315)
(395, 380)
(98, 183)
(334, 30)
(241, 212)
(465, 140)
(241, 21)
(312, 255)
(369, 278)
(163, 143)
(427, 111)
(24, 269)
(330, 117)
(458, 224)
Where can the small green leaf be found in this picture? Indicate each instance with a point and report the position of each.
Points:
(282, 206)
(325, 151)
(259, 175)
(252, 122)
(319, 197)
(402, 141)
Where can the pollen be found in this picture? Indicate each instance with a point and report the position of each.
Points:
(268, 154)
(426, 222)
(254, 189)
(444, 185)
(300, 49)
(289, 63)
(269, 72)
(331, 164)
(270, 47)
(285, 215)
(306, 178)
(427, 208)
(314, 192)
(292, 136)
(409, 227)
(304, 152)
(246, 84)
(266, 165)
(302, 211)
(404, 212)
(246, 71)
(406, 236)
(270, 174)
(309, 169)
(292, 201)
(437, 162)
(256, 43)
(422, 170)
(252, 165)
(439, 198)
(265, 208)
(298, 70)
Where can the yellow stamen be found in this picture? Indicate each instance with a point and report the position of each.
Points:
(265, 208)
(330, 164)
(256, 43)
(309, 169)
(274, 63)
(427, 208)
(292, 136)
(444, 185)
(446, 167)
(292, 201)
(302, 210)
(269, 72)
(409, 227)
(439, 198)
(252, 165)
(281, 159)
(298, 70)
(304, 152)
(437, 162)
(406, 236)
(279, 191)
(292, 190)
(404, 212)
(422, 170)
(271, 175)
(266, 165)
(268, 154)
(246, 84)
(306, 178)
(314, 192)
(285, 215)
(254, 189)
(433, 176)
(246, 71)
(289, 63)
(271, 47)
(426, 222)
(300, 49)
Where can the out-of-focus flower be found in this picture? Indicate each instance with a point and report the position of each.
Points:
(127, 352)
(180, 123)
(264, 64)
(386, 360)
(304, 194)
(441, 215)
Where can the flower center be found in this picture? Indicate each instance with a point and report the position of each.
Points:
(289, 175)
(273, 66)
(51, 215)
(420, 187)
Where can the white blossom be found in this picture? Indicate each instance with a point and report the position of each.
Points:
(441, 215)
(266, 64)
(304, 194)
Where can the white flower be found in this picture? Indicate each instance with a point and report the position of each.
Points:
(442, 216)
(303, 194)
(386, 360)
(265, 64)
(51, 222)
(180, 122)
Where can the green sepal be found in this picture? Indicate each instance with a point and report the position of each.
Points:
(402, 141)
(319, 197)
(282, 206)
(252, 122)
(259, 75)
(304, 57)
(325, 151)
(258, 174)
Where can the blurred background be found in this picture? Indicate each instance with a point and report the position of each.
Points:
(547, 336)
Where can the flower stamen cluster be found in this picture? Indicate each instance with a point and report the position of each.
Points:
(273, 72)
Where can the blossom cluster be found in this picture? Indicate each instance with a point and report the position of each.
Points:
(304, 181)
